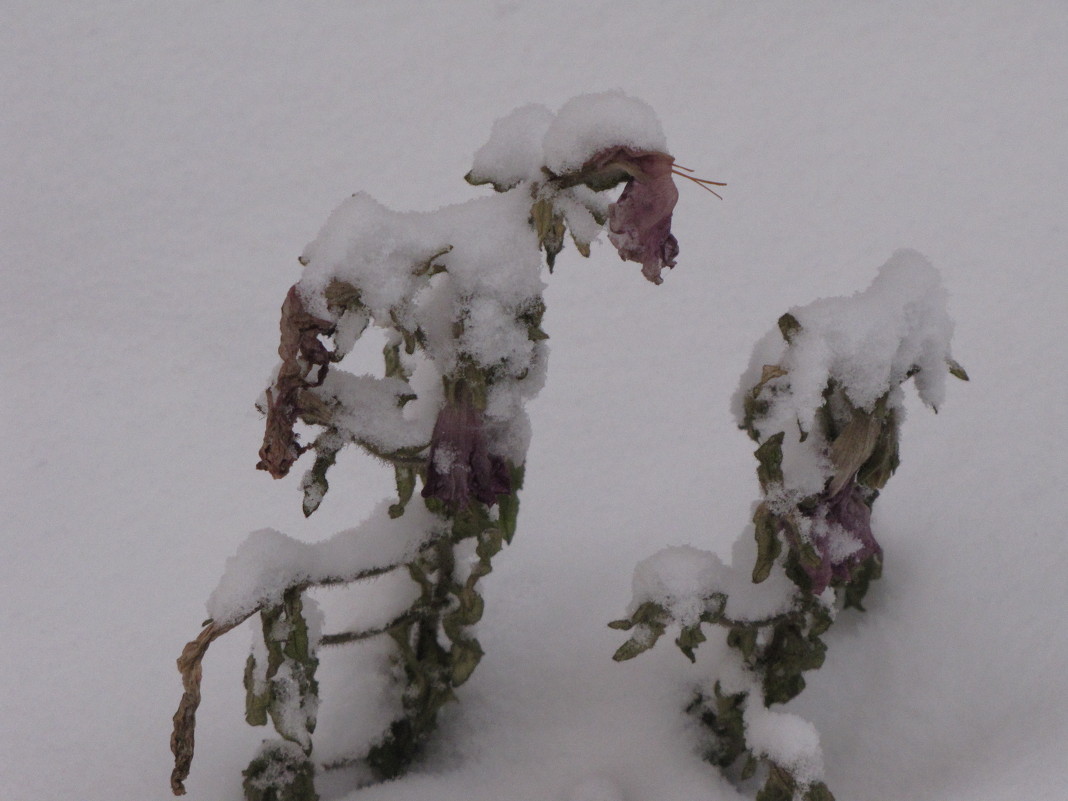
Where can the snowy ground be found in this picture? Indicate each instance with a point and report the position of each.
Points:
(165, 164)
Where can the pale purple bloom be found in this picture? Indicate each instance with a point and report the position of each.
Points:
(639, 222)
(460, 467)
(841, 536)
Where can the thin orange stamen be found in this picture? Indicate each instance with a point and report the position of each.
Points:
(701, 182)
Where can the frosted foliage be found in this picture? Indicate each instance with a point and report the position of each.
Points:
(588, 124)
(679, 579)
(279, 760)
(576, 205)
(371, 411)
(491, 336)
(868, 343)
(787, 740)
(682, 579)
(514, 151)
(494, 249)
(293, 712)
(268, 562)
(370, 247)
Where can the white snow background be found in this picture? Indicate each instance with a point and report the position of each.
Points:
(164, 164)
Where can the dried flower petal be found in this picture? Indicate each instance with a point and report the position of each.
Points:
(460, 467)
(639, 222)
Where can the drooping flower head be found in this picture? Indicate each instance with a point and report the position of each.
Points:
(460, 467)
(639, 222)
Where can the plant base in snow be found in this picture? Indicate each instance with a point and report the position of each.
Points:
(822, 398)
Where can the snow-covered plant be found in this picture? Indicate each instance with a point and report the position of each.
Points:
(458, 293)
(823, 399)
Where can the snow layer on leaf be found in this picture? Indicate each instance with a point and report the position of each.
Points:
(682, 579)
(869, 342)
(269, 562)
(514, 151)
(787, 740)
(588, 124)
(370, 410)
(371, 247)
(494, 249)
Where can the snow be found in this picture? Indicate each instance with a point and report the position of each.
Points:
(163, 167)
(680, 578)
(514, 152)
(867, 344)
(788, 740)
(268, 562)
(587, 124)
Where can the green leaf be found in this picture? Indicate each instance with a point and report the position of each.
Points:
(769, 455)
(743, 638)
(766, 531)
(508, 505)
(255, 704)
(688, 640)
(632, 647)
(471, 606)
(956, 370)
(405, 479)
(465, 656)
(750, 768)
(818, 792)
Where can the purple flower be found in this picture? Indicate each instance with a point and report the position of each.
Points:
(460, 467)
(841, 535)
(639, 222)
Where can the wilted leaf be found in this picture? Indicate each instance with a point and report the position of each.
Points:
(769, 455)
(766, 531)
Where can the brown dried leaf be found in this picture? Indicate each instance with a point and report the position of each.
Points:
(302, 352)
(185, 719)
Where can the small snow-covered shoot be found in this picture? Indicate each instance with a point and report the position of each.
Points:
(458, 292)
(822, 398)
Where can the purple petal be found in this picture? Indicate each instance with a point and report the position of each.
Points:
(639, 222)
(842, 537)
(460, 467)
